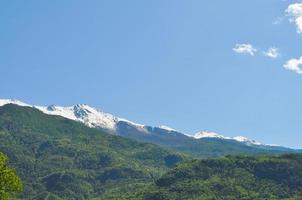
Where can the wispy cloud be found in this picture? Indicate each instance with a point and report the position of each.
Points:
(245, 49)
(249, 49)
(294, 11)
(272, 53)
(294, 65)
(278, 21)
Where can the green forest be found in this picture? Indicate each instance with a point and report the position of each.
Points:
(53, 158)
(231, 177)
(57, 158)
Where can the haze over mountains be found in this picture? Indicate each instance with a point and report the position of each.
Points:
(203, 143)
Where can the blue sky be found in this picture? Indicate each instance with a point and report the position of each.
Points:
(161, 62)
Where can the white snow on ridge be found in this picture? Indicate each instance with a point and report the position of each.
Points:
(83, 113)
(12, 101)
(167, 128)
(207, 134)
(140, 127)
(132, 123)
(80, 112)
(95, 118)
(246, 140)
(66, 112)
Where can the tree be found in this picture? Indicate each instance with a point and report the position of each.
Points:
(9, 181)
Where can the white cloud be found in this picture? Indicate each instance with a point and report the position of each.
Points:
(294, 65)
(272, 52)
(294, 11)
(245, 49)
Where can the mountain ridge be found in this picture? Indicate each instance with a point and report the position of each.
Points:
(202, 144)
(96, 118)
(58, 158)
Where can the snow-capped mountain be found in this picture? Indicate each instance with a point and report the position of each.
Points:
(83, 113)
(12, 101)
(246, 140)
(90, 116)
(207, 134)
(95, 118)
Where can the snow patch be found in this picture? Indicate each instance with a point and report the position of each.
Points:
(12, 101)
(246, 140)
(167, 128)
(208, 134)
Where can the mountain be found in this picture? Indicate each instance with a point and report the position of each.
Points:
(58, 158)
(203, 143)
(240, 177)
(206, 134)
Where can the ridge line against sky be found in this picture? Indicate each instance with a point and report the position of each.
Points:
(231, 67)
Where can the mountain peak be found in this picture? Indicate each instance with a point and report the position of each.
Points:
(12, 101)
(95, 118)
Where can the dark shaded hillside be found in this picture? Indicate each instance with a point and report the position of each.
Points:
(250, 178)
(206, 147)
(58, 158)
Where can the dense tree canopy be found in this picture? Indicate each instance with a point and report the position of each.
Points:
(9, 181)
(249, 178)
(59, 158)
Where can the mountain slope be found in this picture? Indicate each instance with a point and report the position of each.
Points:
(60, 158)
(203, 147)
(205, 144)
(230, 178)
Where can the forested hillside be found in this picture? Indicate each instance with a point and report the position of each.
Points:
(57, 158)
(230, 178)
(202, 144)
